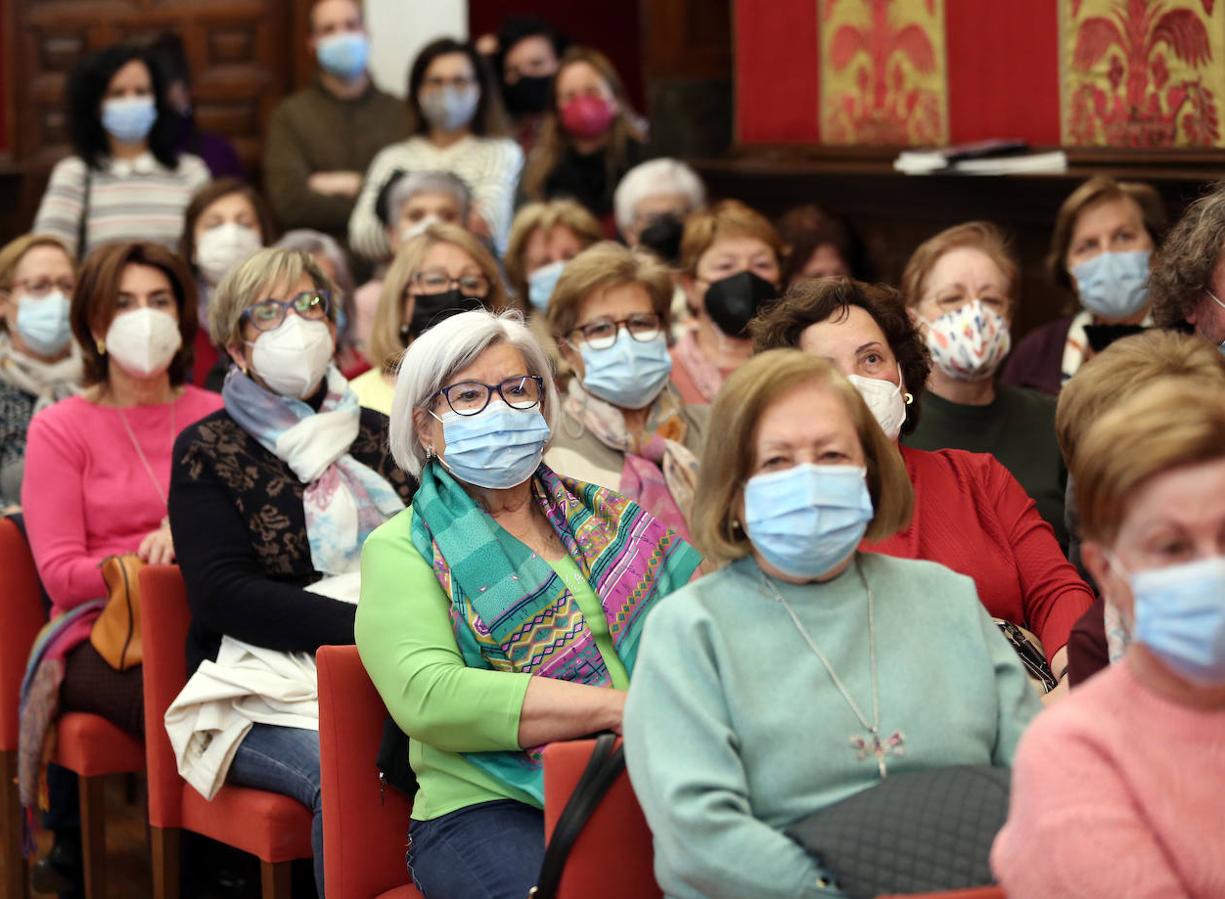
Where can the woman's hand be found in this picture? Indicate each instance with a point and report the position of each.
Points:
(561, 710)
(158, 547)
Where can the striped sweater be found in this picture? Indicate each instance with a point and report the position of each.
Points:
(134, 199)
(488, 165)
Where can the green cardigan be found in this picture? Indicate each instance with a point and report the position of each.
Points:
(407, 643)
(734, 731)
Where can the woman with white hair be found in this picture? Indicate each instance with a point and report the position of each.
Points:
(657, 191)
(497, 557)
(274, 492)
(408, 203)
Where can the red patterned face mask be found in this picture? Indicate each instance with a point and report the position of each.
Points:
(588, 117)
(970, 342)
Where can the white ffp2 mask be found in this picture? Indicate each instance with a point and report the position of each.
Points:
(143, 341)
(292, 358)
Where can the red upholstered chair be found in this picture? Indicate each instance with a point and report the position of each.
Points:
(88, 745)
(364, 827)
(272, 827)
(617, 822)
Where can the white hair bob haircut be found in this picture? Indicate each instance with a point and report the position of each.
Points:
(432, 360)
(653, 177)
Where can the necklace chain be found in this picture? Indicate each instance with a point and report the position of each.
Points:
(875, 747)
(141, 453)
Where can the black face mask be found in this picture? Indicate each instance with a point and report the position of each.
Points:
(732, 302)
(431, 308)
(530, 95)
(663, 237)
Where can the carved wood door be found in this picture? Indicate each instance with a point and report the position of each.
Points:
(239, 50)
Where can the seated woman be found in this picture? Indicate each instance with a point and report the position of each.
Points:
(1110, 376)
(39, 363)
(226, 222)
(961, 288)
(459, 590)
(326, 253)
(457, 127)
(123, 140)
(442, 271)
(821, 245)
(98, 464)
(722, 757)
(543, 238)
(970, 513)
(621, 424)
(731, 264)
(408, 204)
(315, 497)
(1104, 234)
(1133, 806)
(658, 192)
(591, 138)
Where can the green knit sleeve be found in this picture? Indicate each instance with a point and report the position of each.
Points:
(405, 637)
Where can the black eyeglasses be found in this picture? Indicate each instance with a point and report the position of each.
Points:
(471, 397)
(601, 333)
(267, 315)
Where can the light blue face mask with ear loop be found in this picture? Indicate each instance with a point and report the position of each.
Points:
(497, 448)
(1113, 285)
(1180, 617)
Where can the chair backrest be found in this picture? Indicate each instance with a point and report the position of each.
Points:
(164, 621)
(364, 828)
(975, 893)
(613, 856)
(21, 616)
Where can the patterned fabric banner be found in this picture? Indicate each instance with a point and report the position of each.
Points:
(1142, 73)
(883, 73)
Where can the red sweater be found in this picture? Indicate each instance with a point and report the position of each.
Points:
(972, 516)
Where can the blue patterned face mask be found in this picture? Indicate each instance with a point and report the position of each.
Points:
(1180, 617)
(808, 518)
(498, 448)
(630, 373)
(541, 282)
(1113, 285)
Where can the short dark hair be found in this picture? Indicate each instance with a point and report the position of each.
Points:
(517, 28)
(210, 194)
(805, 228)
(97, 295)
(489, 120)
(811, 301)
(86, 89)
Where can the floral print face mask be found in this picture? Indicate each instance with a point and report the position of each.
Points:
(970, 342)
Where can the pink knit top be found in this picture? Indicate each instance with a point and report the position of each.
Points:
(1116, 791)
(86, 493)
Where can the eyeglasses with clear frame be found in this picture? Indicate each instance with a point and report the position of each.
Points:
(471, 397)
(601, 333)
(267, 315)
(432, 281)
(43, 286)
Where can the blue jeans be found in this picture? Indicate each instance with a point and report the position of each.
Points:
(284, 760)
(488, 851)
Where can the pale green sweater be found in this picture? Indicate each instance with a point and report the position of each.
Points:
(734, 730)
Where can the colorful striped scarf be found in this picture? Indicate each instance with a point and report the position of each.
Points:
(511, 610)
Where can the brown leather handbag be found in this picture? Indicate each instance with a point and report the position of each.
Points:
(116, 633)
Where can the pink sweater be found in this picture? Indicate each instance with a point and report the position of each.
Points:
(87, 495)
(1116, 792)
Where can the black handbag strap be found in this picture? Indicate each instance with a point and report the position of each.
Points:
(605, 766)
(83, 223)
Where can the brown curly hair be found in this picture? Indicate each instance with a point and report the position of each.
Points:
(1182, 267)
(813, 300)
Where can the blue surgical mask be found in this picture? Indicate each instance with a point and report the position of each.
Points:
(498, 448)
(42, 322)
(808, 518)
(541, 282)
(129, 119)
(1180, 617)
(1113, 285)
(344, 55)
(628, 374)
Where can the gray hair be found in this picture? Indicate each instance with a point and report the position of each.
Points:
(656, 176)
(408, 186)
(448, 347)
(319, 244)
